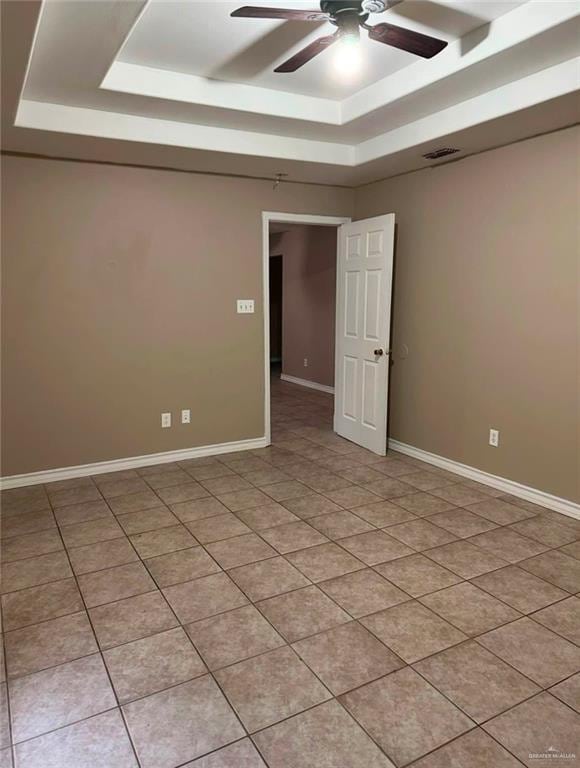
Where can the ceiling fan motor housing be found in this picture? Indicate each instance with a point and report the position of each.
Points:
(361, 7)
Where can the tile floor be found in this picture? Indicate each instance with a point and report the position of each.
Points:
(308, 605)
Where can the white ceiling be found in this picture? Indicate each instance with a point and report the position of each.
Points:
(208, 43)
(183, 84)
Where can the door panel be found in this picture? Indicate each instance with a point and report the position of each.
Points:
(363, 317)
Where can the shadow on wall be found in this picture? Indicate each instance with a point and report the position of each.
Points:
(308, 300)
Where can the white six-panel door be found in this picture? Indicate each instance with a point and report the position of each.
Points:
(363, 324)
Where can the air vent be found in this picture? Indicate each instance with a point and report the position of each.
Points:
(443, 152)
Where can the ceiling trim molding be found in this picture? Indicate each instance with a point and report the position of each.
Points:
(117, 125)
(547, 84)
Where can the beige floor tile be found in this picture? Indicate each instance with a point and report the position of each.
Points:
(499, 511)
(427, 481)
(204, 597)
(557, 568)
(76, 495)
(569, 691)
(465, 559)
(237, 501)
(535, 726)
(324, 736)
(233, 636)
(469, 609)
(52, 642)
(147, 520)
(520, 589)
(268, 578)
(162, 541)
(83, 534)
(30, 545)
(31, 522)
(325, 561)
(49, 601)
(217, 528)
(474, 749)
(242, 754)
(339, 525)
(459, 495)
(161, 480)
(240, 550)
(346, 657)
(98, 742)
(382, 514)
(35, 571)
(546, 531)
(538, 653)
(267, 516)
(134, 502)
(59, 696)
(363, 592)
(572, 549)
(181, 723)
(121, 486)
(176, 494)
(375, 547)
(302, 613)
(507, 544)
(412, 631)
(82, 513)
(184, 565)
(4, 717)
(405, 715)
(199, 509)
(311, 506)
(293, 536)
(476, 681)
(353, 496)
(270, 688)
(421, 534)
(562, 618)
(104, 554)
(462, 523)
(116, 583)
(152, 664)
(224, 484)
(289, 489)
(417, 575)
(131, 619)
(423, 504)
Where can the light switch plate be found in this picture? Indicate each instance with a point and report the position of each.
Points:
(245, 306)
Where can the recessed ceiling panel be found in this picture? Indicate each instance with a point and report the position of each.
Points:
(200, 38)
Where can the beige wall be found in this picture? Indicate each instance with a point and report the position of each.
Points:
(486, 298)
(309, 301)
(118, 303)
(119, 289)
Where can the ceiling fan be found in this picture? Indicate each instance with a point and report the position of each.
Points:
(348, 16)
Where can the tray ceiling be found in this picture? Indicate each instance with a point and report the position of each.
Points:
(183, 79)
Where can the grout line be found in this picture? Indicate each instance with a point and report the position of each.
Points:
(316, 584)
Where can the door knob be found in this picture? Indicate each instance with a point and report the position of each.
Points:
(379, 352)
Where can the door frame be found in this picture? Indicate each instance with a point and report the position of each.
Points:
(275, 217)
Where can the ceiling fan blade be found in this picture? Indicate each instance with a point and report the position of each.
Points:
(407, 40)
(304, 56)
(252, 12)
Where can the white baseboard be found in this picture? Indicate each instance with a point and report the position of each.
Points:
(556, 503)
(306, 383)
(100, 467)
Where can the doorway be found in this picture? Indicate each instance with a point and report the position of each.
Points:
(363, 266)
(288, 244)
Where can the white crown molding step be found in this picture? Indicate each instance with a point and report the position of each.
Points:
(556, 503)
(100, 467)
(306, 383)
